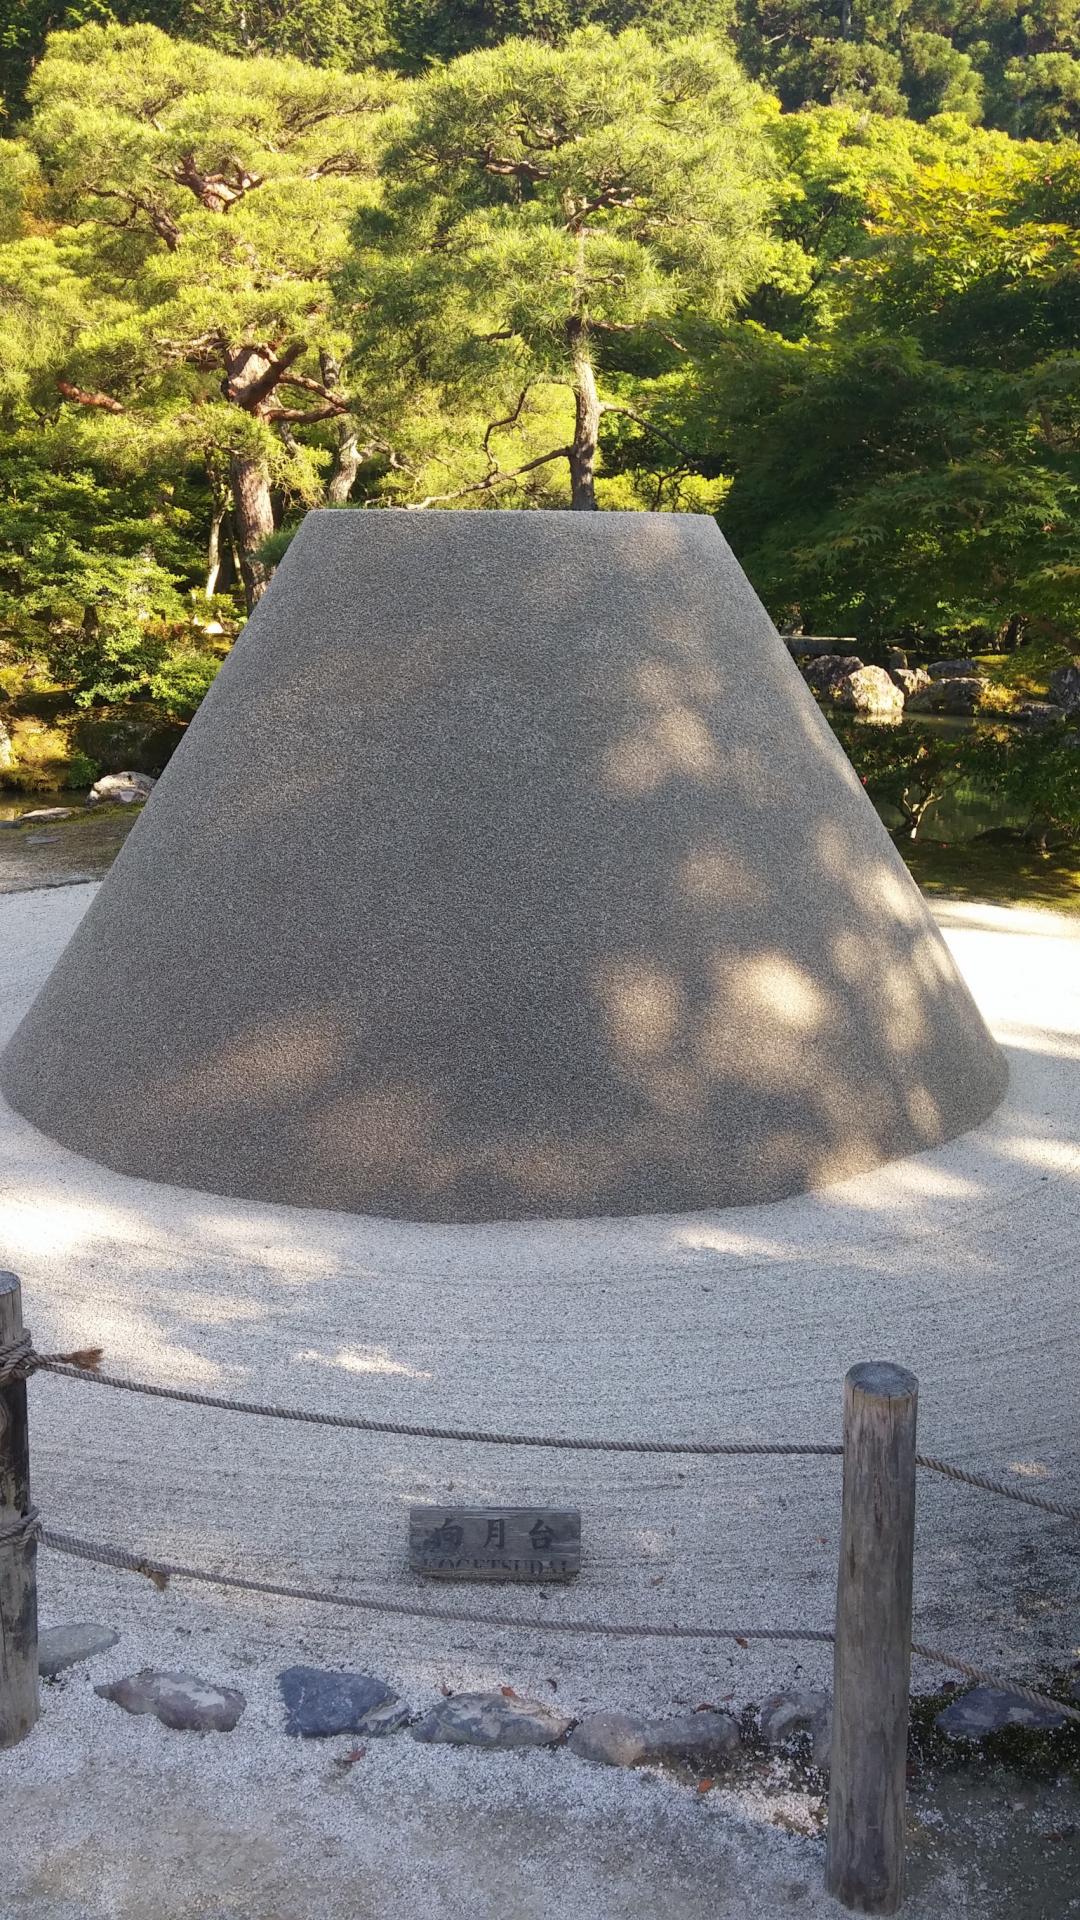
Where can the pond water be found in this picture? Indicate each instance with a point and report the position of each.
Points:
(971, 807)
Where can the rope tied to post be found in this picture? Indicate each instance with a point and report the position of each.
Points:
(19, 1529)
(19, 1359)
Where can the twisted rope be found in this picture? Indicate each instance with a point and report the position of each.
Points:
(74, 1369)
(18, 1529)
(987, 1485)
(161, 1571)
(20, 1360)
(1032, 1694)
(106, 1554)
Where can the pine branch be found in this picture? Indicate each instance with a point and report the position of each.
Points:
(610, 406)
(80, 395)
(494, 479)
(494, 426)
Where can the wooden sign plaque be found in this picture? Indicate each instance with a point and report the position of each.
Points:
(495, 1543)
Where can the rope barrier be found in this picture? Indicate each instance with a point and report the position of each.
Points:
(73, 1369)
(160, 1571)
(21, 1360)
(103, 1553)
(1032, 1694)
(17, 1529)
(987, 1485)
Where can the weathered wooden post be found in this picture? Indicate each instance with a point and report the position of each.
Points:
(19, 1705)
(872, 1668)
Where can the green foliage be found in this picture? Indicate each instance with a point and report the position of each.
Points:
(180, 679)
(908, 769)
(545, 209)
(81, 770)
(1041, 96)
(839, 73)
(917, 464)
(427, 31)
(249, 270)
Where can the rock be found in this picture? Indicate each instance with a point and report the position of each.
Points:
(1039, 714)
(179, 1700)
(896, 659)
(319, 1701)
(125, 788)
(46, 813)
(1064, 688)
(954, 670)
(910, 679)
(625, 1740)
(7, 750)
(869, 690)
(826, 672)
(785, 1714)
(492, 1720)
(991, 1710)
(961, 696)
(60, 1647)
(705, 1737)
(611, 1739)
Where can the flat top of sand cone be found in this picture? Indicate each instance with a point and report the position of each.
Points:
(508, 869)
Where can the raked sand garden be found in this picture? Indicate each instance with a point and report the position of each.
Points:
(959, 1263)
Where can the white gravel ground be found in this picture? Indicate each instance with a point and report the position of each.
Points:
(959, 1263)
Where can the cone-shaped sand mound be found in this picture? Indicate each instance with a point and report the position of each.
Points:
(507, 869)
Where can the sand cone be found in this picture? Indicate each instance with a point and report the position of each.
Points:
(507, 869)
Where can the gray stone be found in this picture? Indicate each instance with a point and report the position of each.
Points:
(492, 1720)
(7, 749)
(1039, 714)
(954, 670)
(47, 813)
(910, 680)
(871, 691)
(627, 1740)
(829, 670)
(991, 1710)
(179, 1700)
(952, 695)
(896, 659)
(785, 1715)
(320, 1701)
(611, 1739)
(701, 1739)
(60, 1647)
(537, 892)
(123, 788)
(1065, 687)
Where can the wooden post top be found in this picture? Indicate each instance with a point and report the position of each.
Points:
(882, 1378)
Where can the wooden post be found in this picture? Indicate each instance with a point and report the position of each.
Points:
(19, 1706)
(872, 1668)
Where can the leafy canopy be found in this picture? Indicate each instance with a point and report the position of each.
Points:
(543, 208)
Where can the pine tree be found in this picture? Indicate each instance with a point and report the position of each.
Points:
(198, 205)
(545, 211)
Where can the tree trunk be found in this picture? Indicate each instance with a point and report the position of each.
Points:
(346, 465)
(213, 547)
(253, 515)
(586, 421)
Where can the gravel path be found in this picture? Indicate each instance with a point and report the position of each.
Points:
(960, 1263)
